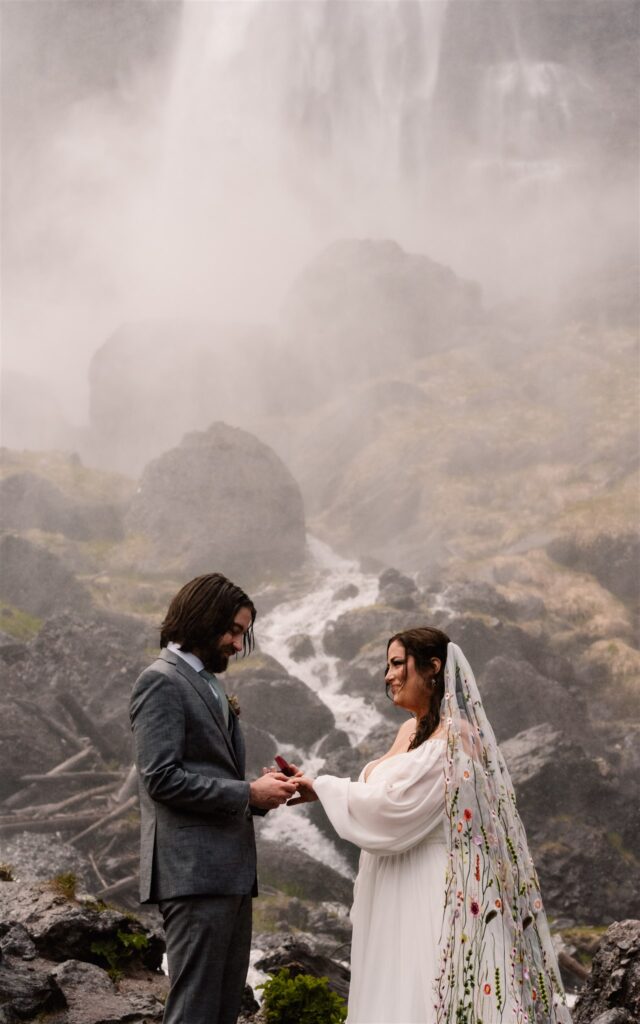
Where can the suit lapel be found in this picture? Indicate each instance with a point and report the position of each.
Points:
(203, 690)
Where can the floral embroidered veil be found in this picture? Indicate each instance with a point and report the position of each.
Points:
(497, 961)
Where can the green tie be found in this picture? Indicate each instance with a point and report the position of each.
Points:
(217, 690)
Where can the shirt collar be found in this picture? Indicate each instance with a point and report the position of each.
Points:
(188, 656)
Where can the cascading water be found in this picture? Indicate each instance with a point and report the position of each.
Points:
(337, 585)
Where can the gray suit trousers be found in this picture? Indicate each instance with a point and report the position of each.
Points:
(208, 945)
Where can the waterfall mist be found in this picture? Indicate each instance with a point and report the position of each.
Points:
(170, 160)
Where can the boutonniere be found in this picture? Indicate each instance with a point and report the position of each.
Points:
(234, 704)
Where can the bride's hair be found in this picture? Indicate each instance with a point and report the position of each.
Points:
(425, 643)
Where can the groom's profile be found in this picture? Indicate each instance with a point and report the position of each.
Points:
(197, 851)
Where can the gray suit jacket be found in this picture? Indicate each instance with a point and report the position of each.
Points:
(197, 833)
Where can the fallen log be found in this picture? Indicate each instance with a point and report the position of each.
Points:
(52, 723)
(105, 776)
(119, 812)
(63, 823)
(574, 966)
(27, 792)
(40, 809)
(124, 883)
(88, 728)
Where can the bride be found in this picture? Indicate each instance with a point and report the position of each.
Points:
(448, 923)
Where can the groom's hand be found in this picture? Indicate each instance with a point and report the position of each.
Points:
(270, 791)
(306, 794)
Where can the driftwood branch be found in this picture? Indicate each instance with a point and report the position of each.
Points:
(38, 810)
(51, 722)
(96, 871)
(574, 966)
(60, 824)
(119, 811)
(97, 777)
(88, 728)
(19, 797)
(129, 787)
(120, 886)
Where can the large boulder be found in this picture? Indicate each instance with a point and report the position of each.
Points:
(222, 500)
(612, 995)
(279, 704)
(35, 580)
(357, 295)
(588, 871)
(516, 697)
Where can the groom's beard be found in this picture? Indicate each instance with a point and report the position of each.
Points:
(215, 658)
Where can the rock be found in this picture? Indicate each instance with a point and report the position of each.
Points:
(516, 698)
(17, 942)
(92, 997)
(283, 707)
(244, 514)
(612, 995)
(26, 991)
(63, 660)
(354, 297)
(347, 635)
(44, 748)
(11, 650)
(28, 501)
(299, 958)
(346, 592)
(613, 559)
(588, 872)
(398, 590)
(261, 749)
(300, 875)
(38, 857)
(35, 581)
(64, 929)
(301, 647)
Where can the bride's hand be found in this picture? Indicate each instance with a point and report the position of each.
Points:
(306, 794)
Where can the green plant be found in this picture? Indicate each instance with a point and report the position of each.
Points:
(119, 950)
(301, 1000)
(65, 885)
(6, 873)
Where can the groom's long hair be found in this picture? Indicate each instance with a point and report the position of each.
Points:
(203, 610)
(425, 643)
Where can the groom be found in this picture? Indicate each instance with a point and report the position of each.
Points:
(198, 853)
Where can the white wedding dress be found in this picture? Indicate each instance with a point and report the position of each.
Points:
(396, 818)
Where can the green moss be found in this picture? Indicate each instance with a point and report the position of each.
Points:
(17, 623)
(6, 873)
(616, 841)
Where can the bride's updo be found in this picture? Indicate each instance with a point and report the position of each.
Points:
(425, 643)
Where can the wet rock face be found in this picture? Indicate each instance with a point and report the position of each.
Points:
(220, 501)
(28, 501)
(36, 581)
(516, 697)
(282, 706)
(613, 993)
(613, 560)
(586, 869)
(348, 634)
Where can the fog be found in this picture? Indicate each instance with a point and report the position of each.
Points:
(164, 161)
